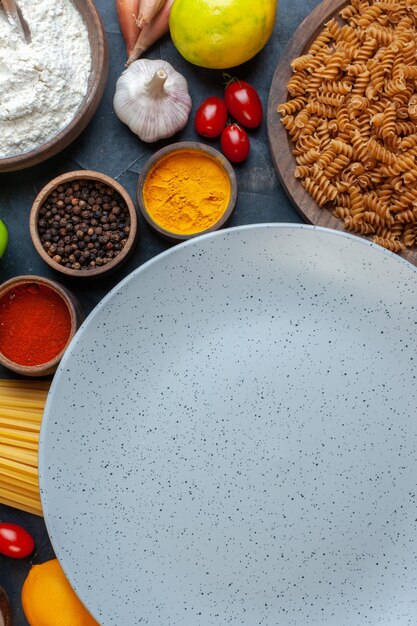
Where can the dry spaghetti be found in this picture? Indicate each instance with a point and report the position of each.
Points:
(21, 409)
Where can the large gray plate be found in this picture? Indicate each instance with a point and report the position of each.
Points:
(231, 438)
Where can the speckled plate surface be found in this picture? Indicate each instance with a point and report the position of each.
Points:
(231, 438)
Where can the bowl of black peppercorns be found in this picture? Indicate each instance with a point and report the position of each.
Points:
(83, 223)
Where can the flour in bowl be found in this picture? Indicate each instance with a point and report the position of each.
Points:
(42, 83)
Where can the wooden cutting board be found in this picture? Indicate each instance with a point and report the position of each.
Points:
(279, 141)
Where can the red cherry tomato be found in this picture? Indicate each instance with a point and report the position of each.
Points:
(211, 117)
(244, 103)
(15, 541)
(235, 143)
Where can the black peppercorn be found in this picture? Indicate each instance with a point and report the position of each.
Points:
(83, 225)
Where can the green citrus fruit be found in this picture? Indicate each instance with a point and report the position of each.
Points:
(219, 34)
(4, 237)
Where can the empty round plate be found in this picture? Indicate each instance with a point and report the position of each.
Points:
(231, 437)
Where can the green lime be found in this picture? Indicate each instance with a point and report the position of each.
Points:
(4, 238)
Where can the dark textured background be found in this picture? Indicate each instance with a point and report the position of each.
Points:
(109, 147)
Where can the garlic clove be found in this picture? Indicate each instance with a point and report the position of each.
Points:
(152, 99)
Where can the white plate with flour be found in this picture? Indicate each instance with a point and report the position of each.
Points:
(231, 437)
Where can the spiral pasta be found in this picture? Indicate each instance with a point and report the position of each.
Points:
(352, 116)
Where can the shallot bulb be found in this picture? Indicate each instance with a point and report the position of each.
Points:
(126, 12)
(151, 32)
(147, 11)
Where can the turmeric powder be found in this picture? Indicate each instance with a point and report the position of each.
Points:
(186, 192)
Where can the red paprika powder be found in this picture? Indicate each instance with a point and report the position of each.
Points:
(35, 324)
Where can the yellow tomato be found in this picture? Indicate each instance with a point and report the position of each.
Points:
(219, 34)
(48, 598)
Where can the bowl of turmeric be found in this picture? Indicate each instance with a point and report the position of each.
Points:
(187, 189)
(38, 319)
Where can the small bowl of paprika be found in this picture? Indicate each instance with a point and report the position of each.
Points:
(187, 189)
(38, 319)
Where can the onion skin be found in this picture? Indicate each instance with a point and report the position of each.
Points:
(148, 10)
(127, 10)
(151, 32)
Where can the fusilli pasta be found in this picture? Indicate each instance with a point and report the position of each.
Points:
(352, 114)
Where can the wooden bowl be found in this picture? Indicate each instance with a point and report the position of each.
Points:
(280, 141)
(187, 146)
(96, 86)
(76, 314)
(76, 176)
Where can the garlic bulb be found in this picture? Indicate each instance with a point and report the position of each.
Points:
(152, 99)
